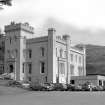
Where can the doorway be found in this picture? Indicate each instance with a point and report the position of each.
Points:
(11, 68)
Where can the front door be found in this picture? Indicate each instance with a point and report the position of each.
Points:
(11, 68)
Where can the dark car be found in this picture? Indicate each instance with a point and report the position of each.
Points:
(60, 87)
(88, 86)
(48, 86)
(35, 87)
(72, 87)
(98, 88)
(14, 83)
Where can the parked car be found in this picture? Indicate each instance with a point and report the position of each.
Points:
(26, 84)
(48, 86)
(88, 86)
(72, 87)
(14, 83)
(37, 87)
(7, 76)
(78, 87)
(60, 87)
(98, 88)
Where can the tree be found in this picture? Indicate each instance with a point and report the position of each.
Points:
(6, 2)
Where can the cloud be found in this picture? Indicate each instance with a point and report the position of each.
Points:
(86, 36)
(82, 19)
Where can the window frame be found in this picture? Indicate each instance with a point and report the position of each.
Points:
(61, 53)
(30, 70)
(30, 53)
(42, 62)
(71, 69)
(71, 57)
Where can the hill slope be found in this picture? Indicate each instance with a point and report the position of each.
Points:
(95, 59)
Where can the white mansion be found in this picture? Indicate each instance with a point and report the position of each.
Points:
(47, 59)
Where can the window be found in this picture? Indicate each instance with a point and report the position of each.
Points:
(10, 40)
(42, 51)
(61, 53)
(65, 54)
(30, 53)
(42, 67)
(56, 52)
(15, 37)
(30, 68)
(11, 68)
(80, 71)
(72, 81)
(29, 78)
(75, 58)
(46, 78)
(71, 56)
(100, 83)
(62, 68)
(8, 52)
(80, 60)
(24, 40)
(24, 53)
(16, 52)
(23, 68)
(72, 69)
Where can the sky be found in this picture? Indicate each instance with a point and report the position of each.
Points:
(84, 20)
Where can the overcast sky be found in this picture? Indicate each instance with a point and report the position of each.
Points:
(86, 15)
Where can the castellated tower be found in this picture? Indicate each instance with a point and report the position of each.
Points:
(15, 48)
(51, 55)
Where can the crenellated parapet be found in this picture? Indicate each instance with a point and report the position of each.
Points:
(19, 26)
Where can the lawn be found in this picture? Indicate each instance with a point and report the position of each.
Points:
(15, 96)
